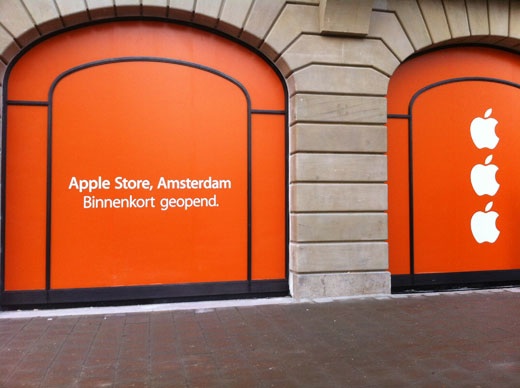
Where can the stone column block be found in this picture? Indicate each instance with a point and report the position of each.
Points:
(339, 284)
(338, 168)
(339, 227)
(338, 138)
(338, 257)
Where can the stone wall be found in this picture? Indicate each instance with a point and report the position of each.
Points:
(337, 57)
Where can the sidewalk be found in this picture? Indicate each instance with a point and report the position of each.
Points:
(455, 339)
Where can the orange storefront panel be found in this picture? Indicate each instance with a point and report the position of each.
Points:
(154, 219)
(160, 162)
(25, 191)
(267, 184)
(453, 187)
(455, 180)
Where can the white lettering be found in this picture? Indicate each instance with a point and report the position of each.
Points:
(132, 184)
(187, 183)
(89, 184)
(91, 202)
(186, 203)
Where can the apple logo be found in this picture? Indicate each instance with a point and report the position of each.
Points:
(483, 178)
(483, 225)
(483, 131)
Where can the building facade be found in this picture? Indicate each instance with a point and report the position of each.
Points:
(336, 59)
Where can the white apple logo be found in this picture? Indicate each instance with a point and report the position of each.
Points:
(483, 131)
(483, 178)
(483, 225)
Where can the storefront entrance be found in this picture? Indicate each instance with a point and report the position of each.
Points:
(454, 191)
(142, 161)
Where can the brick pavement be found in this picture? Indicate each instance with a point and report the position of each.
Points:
(462, 339)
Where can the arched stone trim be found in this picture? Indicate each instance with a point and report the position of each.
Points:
(432, 22)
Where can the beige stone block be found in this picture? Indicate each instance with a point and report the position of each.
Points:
(3, 68)
(339, 79)
(329, 227)
(294, 20)
(8, 46)
(309, 49)
(72, 12)
(410, 16)
(339, 257)
(339, 284)
(338, 109)
(345, 17)
(45, 14)
(206, 12)
(233, 16)
(16, 20)
(155, 8)
(101, 9)
(514, 19)
(478, 17)
(499, 17)
(182, 9)
(338, 138)
(435, 19)
(128, 7)
(457, 17)
(262, 16)
(338, 168)
(386, 26)
(336, 197)
(380, 5)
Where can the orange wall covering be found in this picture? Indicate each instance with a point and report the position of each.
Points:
(453, 162)
(137, 154)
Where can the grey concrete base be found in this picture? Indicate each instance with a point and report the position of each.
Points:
(339, 284)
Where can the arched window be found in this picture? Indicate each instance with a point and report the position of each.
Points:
(143, 160)
(453, 168)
